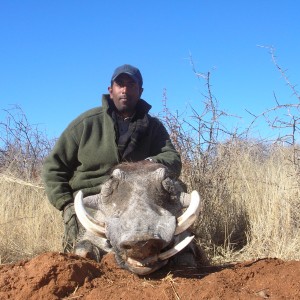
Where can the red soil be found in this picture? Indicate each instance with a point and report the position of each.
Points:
(67, 276)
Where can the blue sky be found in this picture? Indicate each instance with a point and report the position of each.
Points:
(57, 57)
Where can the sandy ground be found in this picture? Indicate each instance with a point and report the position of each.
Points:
(67, 276)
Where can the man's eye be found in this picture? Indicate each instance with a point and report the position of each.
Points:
(129, 84)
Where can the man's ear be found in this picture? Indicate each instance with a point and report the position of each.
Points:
(110, 91)
(141, 91)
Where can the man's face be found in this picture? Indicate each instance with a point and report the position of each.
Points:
(125, 93)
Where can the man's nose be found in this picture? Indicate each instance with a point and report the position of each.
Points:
(124, 89)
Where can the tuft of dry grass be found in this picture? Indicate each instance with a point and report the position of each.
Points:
(270, 195)
(29, 225)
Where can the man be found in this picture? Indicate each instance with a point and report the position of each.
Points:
(121, 130)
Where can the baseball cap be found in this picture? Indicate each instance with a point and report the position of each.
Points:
(132, 71)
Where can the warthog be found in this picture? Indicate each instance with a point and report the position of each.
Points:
(138, 215)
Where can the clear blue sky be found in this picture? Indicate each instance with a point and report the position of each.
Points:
(57, 57)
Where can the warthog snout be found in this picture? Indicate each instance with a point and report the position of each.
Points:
(142, 248)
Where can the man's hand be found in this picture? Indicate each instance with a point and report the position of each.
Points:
(72, 228)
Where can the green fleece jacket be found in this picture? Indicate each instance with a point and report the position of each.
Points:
(87, 150)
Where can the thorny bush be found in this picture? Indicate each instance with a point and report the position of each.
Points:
(23, 146)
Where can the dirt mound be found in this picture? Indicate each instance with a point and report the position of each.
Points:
(67, 276)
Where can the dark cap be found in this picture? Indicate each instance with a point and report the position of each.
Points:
(132, 71)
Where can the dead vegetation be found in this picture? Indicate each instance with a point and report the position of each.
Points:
(250, 186)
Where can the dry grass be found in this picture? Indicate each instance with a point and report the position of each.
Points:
(252, 207)
(271, 199)
(29, 224)
(251, 196)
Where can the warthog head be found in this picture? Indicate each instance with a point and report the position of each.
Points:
(138, 215)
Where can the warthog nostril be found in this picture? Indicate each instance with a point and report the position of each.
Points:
(142, 248)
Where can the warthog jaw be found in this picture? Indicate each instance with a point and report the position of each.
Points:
(153, 263)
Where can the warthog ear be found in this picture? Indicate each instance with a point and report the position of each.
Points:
(110, 185)
(159, 174)
(119, 174)
(169, 186)
(106, 189)
(174, 188)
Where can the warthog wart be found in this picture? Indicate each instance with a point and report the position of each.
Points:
(139, 216)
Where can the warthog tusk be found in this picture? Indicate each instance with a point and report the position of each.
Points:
(190, 215)
(162, 256)
(176, 248)
(87, 221)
